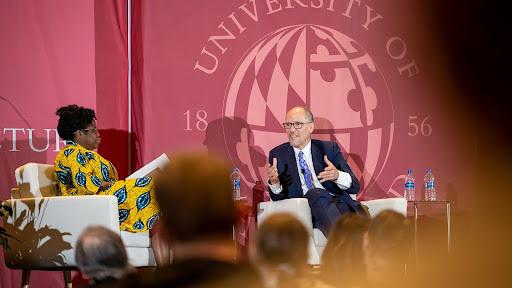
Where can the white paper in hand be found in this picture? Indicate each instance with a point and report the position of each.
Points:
(158, 163)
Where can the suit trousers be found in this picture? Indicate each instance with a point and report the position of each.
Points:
(326, 208)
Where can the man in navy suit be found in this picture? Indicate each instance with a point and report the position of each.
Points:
(313, 169)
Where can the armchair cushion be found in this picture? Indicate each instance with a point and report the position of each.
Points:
(300, 208)
(141, 257)
(319, 237)
(131, 239)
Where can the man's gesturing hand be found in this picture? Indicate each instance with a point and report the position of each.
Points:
(330, 172)
(273, 176)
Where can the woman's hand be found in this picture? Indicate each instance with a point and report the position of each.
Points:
(104, 185)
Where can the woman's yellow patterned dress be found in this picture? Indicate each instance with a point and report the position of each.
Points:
(80, 171)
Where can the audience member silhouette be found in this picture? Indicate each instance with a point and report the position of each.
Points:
(101, 256)
(280, 251)
(343, 259)
(198, 213)
(387, 246)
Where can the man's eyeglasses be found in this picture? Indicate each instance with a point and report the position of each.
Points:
(296, 125)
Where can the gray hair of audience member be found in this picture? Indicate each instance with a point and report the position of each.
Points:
(100, 254)
(282, 242)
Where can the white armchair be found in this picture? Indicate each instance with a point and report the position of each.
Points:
(300, 208)
(47, 226)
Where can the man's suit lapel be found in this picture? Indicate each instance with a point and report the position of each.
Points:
(317, 157)
(296, 190)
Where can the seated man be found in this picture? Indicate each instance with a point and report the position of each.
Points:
(325, 178)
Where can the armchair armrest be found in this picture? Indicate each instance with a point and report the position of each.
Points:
(299, 207)
(396, 204)
(46, 229)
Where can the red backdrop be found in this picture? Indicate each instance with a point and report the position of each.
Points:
(54, 53)
(220, 75)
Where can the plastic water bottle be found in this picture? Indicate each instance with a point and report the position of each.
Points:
(235, 180)
(430, 186)
(409, 194)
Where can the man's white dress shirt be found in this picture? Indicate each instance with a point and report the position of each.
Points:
(344, 180)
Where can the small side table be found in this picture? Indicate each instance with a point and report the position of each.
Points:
(448, 205)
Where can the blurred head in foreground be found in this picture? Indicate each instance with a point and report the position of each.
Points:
(343, 257)
(100, 255)
(281, 250)
(194, 195)
(387, 246)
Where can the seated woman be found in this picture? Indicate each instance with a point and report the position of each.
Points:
(82, 171)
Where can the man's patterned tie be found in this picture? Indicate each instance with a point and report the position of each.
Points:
(308, 178)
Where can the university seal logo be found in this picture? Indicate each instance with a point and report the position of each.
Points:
(323, 69)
